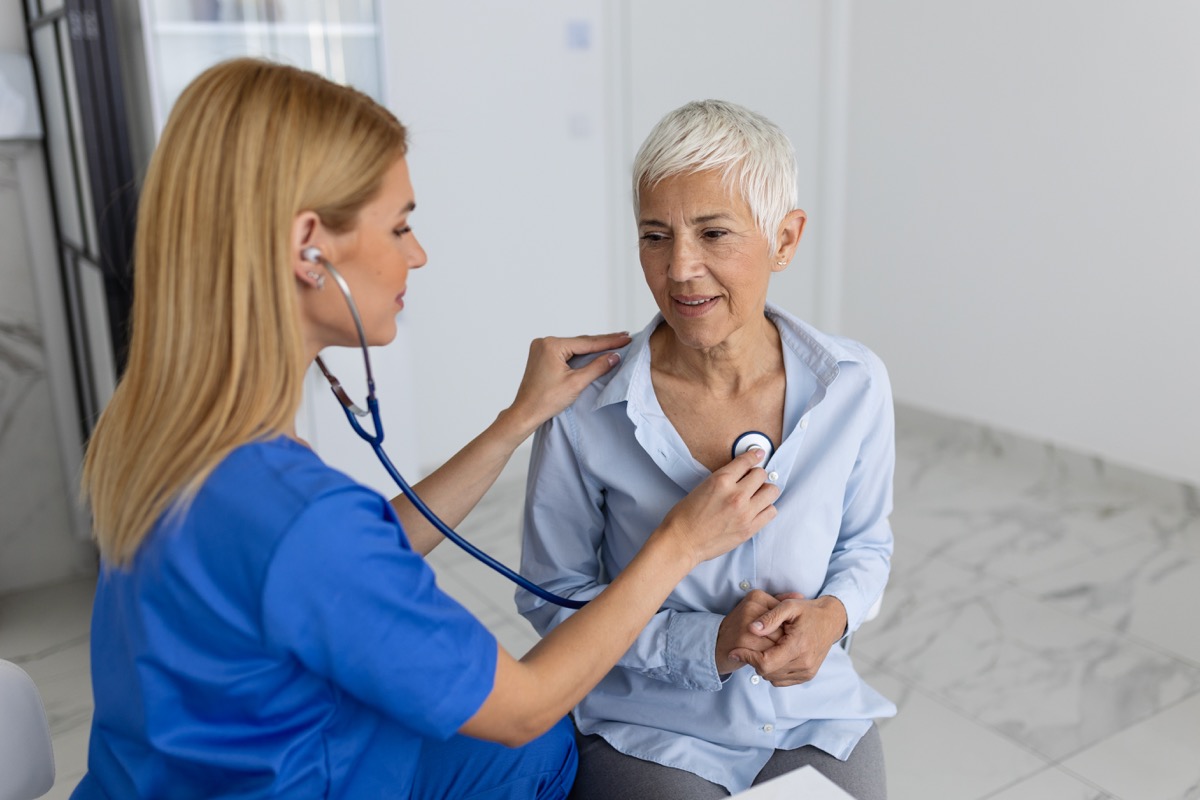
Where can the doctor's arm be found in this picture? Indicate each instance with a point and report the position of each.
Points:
(549, 385)
(566, 514)
(532, 694)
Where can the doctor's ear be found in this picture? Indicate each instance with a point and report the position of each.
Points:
(787, 238)
(307, 256)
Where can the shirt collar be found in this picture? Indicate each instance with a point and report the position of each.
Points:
(635, 362)
(819, 351)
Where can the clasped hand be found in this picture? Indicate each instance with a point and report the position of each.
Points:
(784, 638)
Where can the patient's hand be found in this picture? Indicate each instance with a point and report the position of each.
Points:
(800, 633)
(735, 633)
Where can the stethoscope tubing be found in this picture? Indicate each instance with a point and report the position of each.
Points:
(376, 443)
(352, 412)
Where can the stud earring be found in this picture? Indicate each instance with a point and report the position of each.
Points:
(781, 263)
(317, 278)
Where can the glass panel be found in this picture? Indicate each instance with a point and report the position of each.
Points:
(94, 299)
(82, 358)
(334, 12)
(91, 240)
(331, 12)
(18, 303)
(338, 38)
(58, 142)
(354, 61)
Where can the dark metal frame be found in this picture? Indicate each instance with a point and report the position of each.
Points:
(90, 30)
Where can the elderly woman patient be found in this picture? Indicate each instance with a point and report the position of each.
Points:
(738, 678)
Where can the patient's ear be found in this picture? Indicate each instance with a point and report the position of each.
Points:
(787, 239)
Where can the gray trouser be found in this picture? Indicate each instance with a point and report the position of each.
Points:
(606, 774)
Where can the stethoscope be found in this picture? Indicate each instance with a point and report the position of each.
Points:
(747, 441)
(353, 412)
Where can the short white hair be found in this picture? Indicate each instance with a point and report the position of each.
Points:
(751, 153)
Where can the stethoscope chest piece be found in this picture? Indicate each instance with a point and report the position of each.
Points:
(751, 440)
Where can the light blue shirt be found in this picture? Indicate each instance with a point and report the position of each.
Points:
(603, 475)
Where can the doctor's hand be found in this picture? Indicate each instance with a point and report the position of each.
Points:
(807, 628)
(735, 633)
(550, 384)
(725, 510)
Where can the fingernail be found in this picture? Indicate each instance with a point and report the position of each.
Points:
(756, 625)
(614, 359)
(735, 658)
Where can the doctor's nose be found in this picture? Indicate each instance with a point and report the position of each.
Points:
(416, 257)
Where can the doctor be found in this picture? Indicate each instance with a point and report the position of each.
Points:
(264, 626)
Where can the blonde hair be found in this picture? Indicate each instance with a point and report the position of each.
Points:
(216, 356)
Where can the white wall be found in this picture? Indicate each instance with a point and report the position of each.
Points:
(1021, 185)
(525, 119)
(768, 56)
(1023, 192)
(504, 105)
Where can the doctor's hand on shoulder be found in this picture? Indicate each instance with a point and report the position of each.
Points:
(550, 383)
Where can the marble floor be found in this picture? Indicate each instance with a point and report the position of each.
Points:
(1035, 634)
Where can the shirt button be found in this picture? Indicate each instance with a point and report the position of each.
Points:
(755, 680)
(768, 728)
(772, 475)
(804, 422)
(744, 586)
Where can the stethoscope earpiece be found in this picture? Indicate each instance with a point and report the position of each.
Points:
(311, 255)
(751, 440)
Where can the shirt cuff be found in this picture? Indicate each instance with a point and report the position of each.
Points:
(852, 600)
(691, 650)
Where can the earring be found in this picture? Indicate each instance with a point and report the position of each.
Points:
(781, 263)
(317, 278)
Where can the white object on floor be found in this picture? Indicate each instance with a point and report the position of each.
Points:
(805, 782)
(26, 756)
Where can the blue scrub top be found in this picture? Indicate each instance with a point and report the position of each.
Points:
(278, 638)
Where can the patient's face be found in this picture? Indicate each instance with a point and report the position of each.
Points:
(705, 261)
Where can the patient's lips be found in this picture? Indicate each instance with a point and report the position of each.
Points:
(694, 305)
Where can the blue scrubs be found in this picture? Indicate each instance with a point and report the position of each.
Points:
(281, 638)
